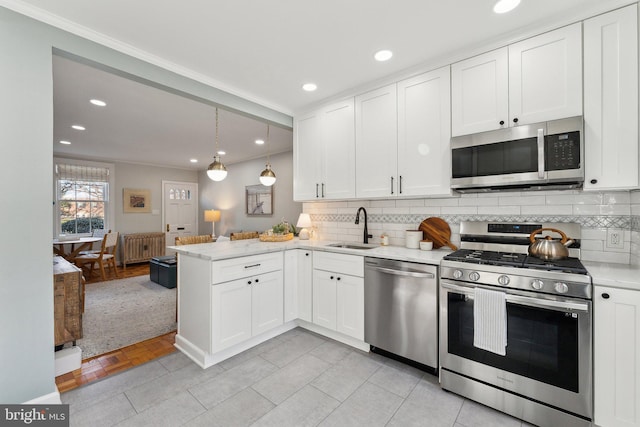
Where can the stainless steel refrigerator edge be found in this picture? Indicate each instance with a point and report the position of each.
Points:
(401, 309)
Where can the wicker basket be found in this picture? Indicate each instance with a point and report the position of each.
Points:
(276, 237)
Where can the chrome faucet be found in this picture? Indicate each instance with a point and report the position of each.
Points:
(366, 230)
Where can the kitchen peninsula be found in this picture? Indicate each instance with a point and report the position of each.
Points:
(235, 295)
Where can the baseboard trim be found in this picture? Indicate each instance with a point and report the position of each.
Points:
(47, 399)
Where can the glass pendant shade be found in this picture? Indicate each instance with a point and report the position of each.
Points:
(216, 170)
(267, 177)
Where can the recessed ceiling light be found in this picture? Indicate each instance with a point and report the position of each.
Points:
(65, 142)
(98, 102)
(221, 153)
(309, 87)
(260, 141)
(383, 55)
(78, 127)
(194, 160)
(504, 6)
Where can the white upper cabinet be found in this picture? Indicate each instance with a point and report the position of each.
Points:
(376, 143)
(535, 80)
(480, 93)
(424, 117)
(324, 153)
(307, 157)
(611, 100)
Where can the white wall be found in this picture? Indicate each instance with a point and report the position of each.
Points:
(26, 105)
(26, 296)
(229, 196)
(144, 177)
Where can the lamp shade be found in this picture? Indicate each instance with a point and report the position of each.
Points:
(304, 221)
(211, 216)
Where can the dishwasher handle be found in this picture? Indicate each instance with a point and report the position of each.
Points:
(409, 273)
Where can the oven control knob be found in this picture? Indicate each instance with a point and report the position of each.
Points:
(561, 288)
(457, 274)
(474, 276)
(503, 280)
(537, 284)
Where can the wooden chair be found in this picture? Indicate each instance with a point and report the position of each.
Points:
(190, 240)
(106, 256)
(244, 235)
(96, 233)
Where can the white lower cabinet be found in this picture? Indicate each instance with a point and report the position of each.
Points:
(616, 357)
(298, 277)
(245, 307)
(338, 293)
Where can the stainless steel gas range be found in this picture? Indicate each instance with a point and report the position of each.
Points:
(541, 369)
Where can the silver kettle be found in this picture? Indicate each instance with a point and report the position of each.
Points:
(548, 247)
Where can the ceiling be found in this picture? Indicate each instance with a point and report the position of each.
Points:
(262, 51)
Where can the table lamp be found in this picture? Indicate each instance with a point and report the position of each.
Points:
(212, 216)
(304, 221)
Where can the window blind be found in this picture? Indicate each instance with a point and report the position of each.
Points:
(82, 173)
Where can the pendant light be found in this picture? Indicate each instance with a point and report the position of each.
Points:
(216, 170)
(267, 177)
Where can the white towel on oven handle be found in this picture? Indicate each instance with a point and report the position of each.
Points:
(490, 321)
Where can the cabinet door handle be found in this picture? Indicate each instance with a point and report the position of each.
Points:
(605, 295)
(317, 190)
(515, 120)
(252, 266)
(323, 189)
(391, 185)
(338, 278)
(501, 122)
(249, 282)
(594, 181)
(400, 186)
(307, 254)
(257, 280)
(331, 277)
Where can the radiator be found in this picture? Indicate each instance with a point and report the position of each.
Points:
(141, 247)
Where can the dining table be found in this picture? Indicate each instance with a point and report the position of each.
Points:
(69, 249)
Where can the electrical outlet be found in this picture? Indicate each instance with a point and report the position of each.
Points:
(615, 238)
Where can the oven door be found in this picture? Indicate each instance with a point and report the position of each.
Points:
(548, 354)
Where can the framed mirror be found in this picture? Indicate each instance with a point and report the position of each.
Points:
(259, 200)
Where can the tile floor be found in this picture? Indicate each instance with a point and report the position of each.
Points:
(296, 379)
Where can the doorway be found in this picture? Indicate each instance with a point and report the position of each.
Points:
(179, 209)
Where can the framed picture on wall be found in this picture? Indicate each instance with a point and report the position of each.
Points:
(136, 200)
(259, 200)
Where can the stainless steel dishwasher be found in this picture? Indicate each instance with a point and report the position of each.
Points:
(401, 309)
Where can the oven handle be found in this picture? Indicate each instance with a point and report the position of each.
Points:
(410, 273)
(528, 301)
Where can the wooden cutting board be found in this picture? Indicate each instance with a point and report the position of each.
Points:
(437, 230)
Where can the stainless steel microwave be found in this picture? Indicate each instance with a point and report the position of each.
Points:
(537, 156)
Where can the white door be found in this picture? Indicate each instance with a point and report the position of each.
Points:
(377, 143)
(424, 156)
(480, 93)
(231, 314)
(324, 299)
(180, 209)
(350, 306)
(307, 154)
(266, 302)
(545, 76)
(616, 319)
(611, 100)
(339, 151)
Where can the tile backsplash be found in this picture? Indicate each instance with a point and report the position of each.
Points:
(597, 212)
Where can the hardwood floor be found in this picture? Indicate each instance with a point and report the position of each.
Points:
(100, 366)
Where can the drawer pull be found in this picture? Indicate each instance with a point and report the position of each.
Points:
(252, 266)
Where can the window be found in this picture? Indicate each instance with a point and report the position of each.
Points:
(82, 198)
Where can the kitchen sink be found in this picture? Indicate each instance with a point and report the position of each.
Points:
(353, 245)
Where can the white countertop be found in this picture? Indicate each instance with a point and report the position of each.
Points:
(614, 275)
(603, 274)
(225, 250)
